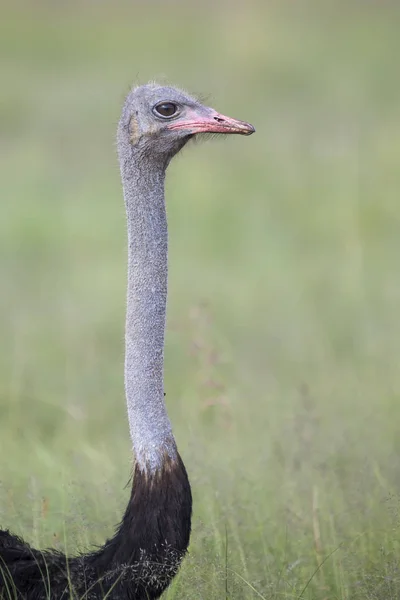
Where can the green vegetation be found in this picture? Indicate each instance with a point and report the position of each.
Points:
(283, 344)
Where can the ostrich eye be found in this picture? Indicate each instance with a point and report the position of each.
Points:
(165, 109)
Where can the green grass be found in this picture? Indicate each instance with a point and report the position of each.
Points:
(283, 342)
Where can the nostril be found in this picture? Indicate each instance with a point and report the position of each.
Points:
(219, 120)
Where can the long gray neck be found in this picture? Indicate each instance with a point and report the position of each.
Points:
(143, 183)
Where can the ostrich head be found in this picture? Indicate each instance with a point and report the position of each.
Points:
(160, 120)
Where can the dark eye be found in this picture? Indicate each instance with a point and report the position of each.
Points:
(166, 109)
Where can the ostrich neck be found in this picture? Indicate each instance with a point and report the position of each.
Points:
(143, 183)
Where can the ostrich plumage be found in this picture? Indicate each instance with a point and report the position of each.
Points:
(145, 553)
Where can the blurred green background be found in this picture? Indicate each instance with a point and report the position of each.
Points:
(283, 341)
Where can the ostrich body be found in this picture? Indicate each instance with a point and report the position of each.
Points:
(140, 560)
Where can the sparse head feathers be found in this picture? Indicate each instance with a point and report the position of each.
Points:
(152, 88)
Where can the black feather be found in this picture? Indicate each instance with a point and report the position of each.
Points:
(138, 563)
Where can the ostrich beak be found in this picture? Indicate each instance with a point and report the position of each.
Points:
(212, 122)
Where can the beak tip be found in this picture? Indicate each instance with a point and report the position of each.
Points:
(245, 128)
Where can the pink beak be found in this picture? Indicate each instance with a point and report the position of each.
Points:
(212, 123)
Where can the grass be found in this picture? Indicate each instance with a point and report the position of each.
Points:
(283, 340)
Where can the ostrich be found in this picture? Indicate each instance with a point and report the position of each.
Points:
(145, 553)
